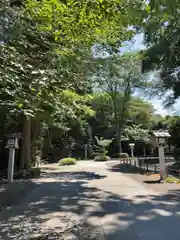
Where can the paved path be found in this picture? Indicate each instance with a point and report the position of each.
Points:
(113, 204)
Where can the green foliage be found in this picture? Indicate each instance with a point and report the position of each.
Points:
(48, 67)
(67, 161)
(119, 76)
(102, 158)
(73, 23)
(172, 180)
(162, 35)
(101, 147)
(136, 132)
(141, 112)
(36, 81)
(103, 142)
(137, 125)
(34, 75)
(174, 131)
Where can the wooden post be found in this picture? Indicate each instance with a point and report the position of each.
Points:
(167, 172)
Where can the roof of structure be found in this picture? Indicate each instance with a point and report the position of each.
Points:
(161, 133)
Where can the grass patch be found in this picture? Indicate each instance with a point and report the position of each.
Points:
(172, 180)
(67, 161)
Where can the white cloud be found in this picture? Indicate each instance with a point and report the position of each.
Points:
(159, 108)
(136, 44)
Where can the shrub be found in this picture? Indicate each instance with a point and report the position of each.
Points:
(176, 166)
(120, 155)
(102, 158)
(172, 180)
(102, 145)
(123, 155)
(67, 161)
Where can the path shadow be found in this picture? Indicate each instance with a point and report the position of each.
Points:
(13, 193)
(79, 175)
(125, 168)
(122, 217)
(153, 181)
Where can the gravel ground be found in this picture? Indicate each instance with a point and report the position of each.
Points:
(14, 193)
(92, 201)
(38, 216)
(68, 229)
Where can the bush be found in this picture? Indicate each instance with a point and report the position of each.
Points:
(172, 180)
(175, 166)
(67, 161)
(102, 158)
(123, 155)
(120, 155)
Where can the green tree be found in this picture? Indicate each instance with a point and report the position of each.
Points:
(73, 23)
(139, 122)
(34, 75)
(102, 145)
(141, 112)
(174, 130)
(162, 54)
(119, 77)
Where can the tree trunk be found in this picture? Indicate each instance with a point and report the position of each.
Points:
(120, 145)
(119, 139)
(35, 138)
(50, 140)
(47, 145)
(25, 154)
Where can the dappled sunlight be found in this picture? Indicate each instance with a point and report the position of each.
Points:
(145, 218)
(162, 212)
(90, 199)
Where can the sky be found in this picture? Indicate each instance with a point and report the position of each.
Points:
(135, 45)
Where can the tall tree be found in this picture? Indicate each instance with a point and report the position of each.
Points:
(33, 74)
(119, 77)
(163, 42)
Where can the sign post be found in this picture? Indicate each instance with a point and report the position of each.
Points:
(162, 160)
(161, 139)
(12, 144)
(131, 145)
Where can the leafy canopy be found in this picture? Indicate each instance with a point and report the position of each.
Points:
(163, 38)
(86, 21)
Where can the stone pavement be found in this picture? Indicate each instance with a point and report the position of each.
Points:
(92, 202)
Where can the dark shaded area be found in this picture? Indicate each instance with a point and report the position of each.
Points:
(78, 175)
(153, 181)
(126, 168)
(14, 193)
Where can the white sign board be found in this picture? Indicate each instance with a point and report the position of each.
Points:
(12, 143)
